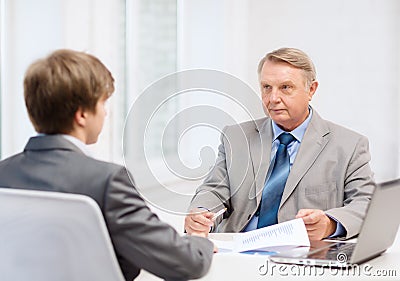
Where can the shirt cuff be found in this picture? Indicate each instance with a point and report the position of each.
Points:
(340, 230)
(204, 208)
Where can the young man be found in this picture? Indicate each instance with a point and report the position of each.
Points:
(65, 94)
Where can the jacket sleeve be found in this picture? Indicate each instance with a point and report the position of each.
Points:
(143, 241)
(358, 187)
(215, 193)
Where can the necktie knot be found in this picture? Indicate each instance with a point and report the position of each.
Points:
(285, 138)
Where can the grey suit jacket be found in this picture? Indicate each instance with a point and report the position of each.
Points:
(331, 172)
(140, 239)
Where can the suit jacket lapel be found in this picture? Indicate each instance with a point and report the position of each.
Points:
(260, 153)
(315, 139)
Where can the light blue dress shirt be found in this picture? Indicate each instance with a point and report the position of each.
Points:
(81, 145)
(292, 149)
(77, 142)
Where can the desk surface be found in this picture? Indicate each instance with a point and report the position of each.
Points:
(236, 266)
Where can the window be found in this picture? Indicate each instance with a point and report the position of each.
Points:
(32, 29)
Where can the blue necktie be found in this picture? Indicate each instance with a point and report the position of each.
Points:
(273, 190)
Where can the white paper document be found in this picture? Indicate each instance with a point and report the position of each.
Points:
(280, 236)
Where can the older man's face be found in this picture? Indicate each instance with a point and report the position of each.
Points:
(285, 94)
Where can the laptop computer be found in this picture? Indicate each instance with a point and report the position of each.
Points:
(382, 217)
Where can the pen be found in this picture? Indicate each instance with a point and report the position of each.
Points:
(217, 214)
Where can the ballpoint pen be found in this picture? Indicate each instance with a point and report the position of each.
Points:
(217, 214)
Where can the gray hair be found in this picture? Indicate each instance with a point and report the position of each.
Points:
(294, 57)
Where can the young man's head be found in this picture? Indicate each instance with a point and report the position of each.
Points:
(65, 94)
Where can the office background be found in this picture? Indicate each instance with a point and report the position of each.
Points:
(355, 46)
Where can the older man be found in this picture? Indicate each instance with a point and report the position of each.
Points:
(291, 164)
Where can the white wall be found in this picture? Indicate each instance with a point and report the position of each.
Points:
(354, 45)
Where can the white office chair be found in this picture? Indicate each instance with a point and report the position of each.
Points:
(50, 236)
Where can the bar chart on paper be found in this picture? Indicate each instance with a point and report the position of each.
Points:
(289, 233)
(276, 237)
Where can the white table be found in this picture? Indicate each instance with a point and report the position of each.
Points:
(235, 266)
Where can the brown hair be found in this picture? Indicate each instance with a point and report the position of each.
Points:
(294, 57)
(57, 86)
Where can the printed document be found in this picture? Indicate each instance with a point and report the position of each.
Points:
(275, 238)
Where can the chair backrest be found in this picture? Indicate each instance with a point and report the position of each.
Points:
(49, 236)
